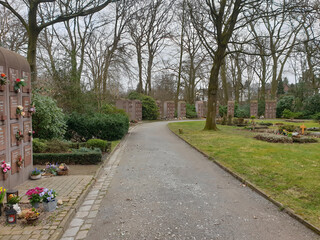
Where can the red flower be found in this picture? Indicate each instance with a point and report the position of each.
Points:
(3, 75)
(18, 80)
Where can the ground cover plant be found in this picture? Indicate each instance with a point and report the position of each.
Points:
(289, 173)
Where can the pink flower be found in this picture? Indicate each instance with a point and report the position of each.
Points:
(4, 170)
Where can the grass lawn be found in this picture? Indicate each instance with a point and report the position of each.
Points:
(114, 144)
(290, 173)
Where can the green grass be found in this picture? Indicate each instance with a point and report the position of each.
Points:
(289, 173)
(114, 144)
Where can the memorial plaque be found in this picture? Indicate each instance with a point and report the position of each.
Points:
(26, 128)
(2, 108)
(14, 130)
(14, 157)
(26, 102)
(271, 109)
(138, 110)
(27, 155)
(13, 75)
(2, 138)
(181, 109)
(2, 87)
(26, 77)
(169, 109)
(13, 107)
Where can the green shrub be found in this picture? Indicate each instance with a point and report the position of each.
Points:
(316, 116)
(191, 111)
(150, 109)
(286, 102)
(48, 121)
(312, 105)
(57, 146)
(102, 126)
(97, 143)
(110, 109)
(223, 110)
(80, 157)
(289, 114)
(242, 111)
(273, 138)
(289, 128)
(39, 145)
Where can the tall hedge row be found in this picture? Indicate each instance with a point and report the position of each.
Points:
(102, 126)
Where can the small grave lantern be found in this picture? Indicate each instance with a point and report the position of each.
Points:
(11, 216)
(13, 192)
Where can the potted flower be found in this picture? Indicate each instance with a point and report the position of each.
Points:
(13, 203)
(34, 196)
(3, 79)
(19, 135)
(31, 215)
(5, 167)
(19, 111)
(18, 84)
(49, 199)
(20, 161)
(2, 194)
(51, 169)
(63, 169)
(35, 174)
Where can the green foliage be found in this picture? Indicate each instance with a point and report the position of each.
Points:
(242, 111)
(286, 102)
(312, 105)
(103, 126)
(79, 157)
(191, 111)
(110, 109)
(261, 108)
(48, 121)
(289, 128)
(223, 110)
(289, 114)
(135, 95)
(316, 116)
(39, 145)
(97, 143)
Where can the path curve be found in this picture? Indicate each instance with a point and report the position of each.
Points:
(164, 189)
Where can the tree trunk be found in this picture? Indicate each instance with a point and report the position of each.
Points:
(223, 75)
(32, 53)
(139, 59)
(149, 69)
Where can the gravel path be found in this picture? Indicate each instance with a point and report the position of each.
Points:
(164, 189)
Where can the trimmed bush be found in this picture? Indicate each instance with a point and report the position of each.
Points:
(91, 157)
(191, 111)
(97, 143)
(289, 114)
(312, 105)
(39, 145)
(48, 121)
(110, 109)
(149, 105)
(273, 138)
(102, 126)
(286, 102)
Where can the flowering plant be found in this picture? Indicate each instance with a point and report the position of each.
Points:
(51, 168)
(34, 195)
(20, 111)
(32, 109)
(2, 194)
(36, 172)
(30, 133)
(48, 195)
(20, 161)
(19, 135)
(31, 214)
(13, 199)
(3, 79)
(18, 84)
(5, 167)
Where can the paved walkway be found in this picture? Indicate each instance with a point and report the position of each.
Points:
(164, 189)
(69, 189)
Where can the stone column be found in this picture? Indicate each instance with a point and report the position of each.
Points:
(231, 108)
(271, 107)
(254, 108)
(168, 109)
(160, 109)
(182, 109)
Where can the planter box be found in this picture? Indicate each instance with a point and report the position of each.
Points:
(50, 206)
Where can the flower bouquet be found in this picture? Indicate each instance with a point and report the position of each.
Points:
(20, 161)
(63, 169)
(34, 196)
(19, 135)
(32, 109)
(31, 215)
(2, 194)
(18, 84)
(49, 199)
(5, 168)
(20, 111)
(3, 79)
(51, 169)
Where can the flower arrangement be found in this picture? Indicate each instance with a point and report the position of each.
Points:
(5, 167)
(2, 194)
(20, 111)
(3, 79)
(13, 199)
(20, 161)
(35, 172)
(34, 195)
(48, 195)
(19, 135)
(32, 109)
(18, 84)
(52, 169)
(30, 133)
(31, 215)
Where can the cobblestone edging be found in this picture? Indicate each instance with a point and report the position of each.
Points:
(285, 209)
(81, 223)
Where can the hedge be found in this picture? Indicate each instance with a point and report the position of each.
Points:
(83, 158)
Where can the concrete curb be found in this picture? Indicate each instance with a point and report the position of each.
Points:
(64, 224)
(283, 208)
